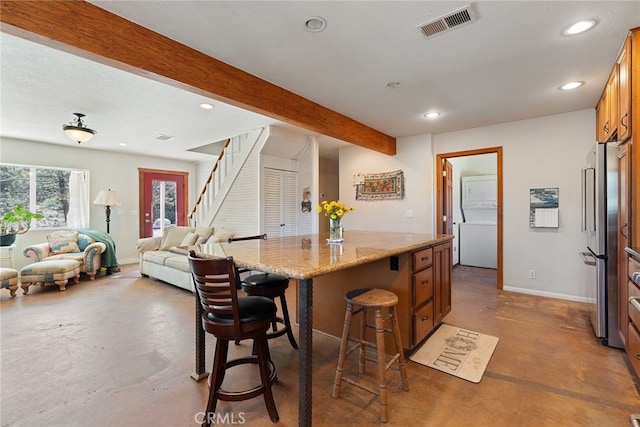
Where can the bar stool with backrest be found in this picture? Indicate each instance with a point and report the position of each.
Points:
(358, 301)
(230, 318)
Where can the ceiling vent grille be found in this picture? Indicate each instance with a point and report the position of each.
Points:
(448, 22)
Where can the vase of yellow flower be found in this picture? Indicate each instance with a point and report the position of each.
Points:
(335, 210)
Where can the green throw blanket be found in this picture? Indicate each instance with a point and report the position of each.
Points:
(109, 260)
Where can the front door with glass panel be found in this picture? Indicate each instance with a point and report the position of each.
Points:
(163, 201)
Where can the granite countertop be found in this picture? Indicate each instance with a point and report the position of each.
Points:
(633, 251)
(307, 256)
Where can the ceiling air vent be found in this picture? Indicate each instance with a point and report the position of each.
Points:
(448, 22)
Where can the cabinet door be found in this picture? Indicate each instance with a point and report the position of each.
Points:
(441, 281)
(624, 181)
(624, 92)
(601, 118)
(280, 203)
(612, 104)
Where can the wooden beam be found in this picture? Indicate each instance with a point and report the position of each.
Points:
(112, 40)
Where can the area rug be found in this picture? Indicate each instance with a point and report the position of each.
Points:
(456, 351)
(381, 186)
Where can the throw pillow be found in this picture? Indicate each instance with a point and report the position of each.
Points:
(63, 242)
(189, 239)
(84, 241)
(173, 236)
(223, 234)
(201, 240)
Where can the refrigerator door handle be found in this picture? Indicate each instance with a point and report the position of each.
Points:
(588, 258)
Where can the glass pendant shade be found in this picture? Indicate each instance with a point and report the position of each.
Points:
(77, 130)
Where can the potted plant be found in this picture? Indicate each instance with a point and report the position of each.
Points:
(16, 221)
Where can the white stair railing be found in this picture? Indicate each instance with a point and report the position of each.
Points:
(230, 161)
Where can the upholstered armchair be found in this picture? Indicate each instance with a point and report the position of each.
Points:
(69, 244)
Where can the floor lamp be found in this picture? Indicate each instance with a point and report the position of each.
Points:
(107, 198)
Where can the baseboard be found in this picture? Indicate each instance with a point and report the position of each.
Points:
(550, 294)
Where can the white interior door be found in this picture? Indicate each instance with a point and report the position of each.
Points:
(280, 203)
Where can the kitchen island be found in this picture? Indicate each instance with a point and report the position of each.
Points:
(417, 267)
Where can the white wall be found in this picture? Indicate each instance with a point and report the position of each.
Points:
(415, 159)
(543, 152)
(118, 172)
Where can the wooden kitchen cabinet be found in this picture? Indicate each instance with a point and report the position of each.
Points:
(624, 92)
(431, 277)
(632, 320)
(607, 109)
(624, 197)
(442, 281)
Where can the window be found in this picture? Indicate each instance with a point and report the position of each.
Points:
(60, 195)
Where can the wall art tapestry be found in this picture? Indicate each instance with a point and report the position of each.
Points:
(381, 186)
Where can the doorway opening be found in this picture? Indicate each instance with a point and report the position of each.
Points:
(445, 203)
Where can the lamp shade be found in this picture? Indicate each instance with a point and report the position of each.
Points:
(107, 198)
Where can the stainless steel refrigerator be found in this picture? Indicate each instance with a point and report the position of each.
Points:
(600, 226)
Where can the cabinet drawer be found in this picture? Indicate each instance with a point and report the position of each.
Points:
(422, 259)
(422, 286)
(634, 314)
(423, 322)
(634, 266)
(633, 348)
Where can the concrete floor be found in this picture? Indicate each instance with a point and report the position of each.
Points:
(118, 351)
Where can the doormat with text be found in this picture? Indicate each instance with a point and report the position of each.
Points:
(456, 351)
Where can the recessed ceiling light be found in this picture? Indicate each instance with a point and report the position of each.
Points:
(579, 27)
(206, 106)
(315, 24)
(432, 115)
(571, 85)
(164, 137)
(122, 144)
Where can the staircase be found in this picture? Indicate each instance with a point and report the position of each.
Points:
(234, 154)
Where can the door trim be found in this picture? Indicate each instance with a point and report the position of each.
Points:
(182, 218)
(440, 197)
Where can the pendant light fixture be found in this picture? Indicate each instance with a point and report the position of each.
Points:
(77, 130)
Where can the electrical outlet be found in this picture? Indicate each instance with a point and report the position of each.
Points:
(532, 274)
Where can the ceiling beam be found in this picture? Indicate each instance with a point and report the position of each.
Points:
(114, 41)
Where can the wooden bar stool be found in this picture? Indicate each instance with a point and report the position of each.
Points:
(272, 286)
(232, 318)
(358, 301)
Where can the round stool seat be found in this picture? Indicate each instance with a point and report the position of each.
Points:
(272, 286)
(369, 297)
(266, 279)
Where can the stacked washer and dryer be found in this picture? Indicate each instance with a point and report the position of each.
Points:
(478, 233)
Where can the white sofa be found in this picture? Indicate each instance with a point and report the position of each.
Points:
(162, 259)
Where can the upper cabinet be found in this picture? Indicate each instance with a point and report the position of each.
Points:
(607, 109)
(613, 112)
(624, 91)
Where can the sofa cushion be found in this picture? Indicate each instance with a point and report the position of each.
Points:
(178, 262)
(63, 241)
(157, 257)
(189, 239)
(173, 236)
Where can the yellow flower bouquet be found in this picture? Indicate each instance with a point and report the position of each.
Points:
(335, 210)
